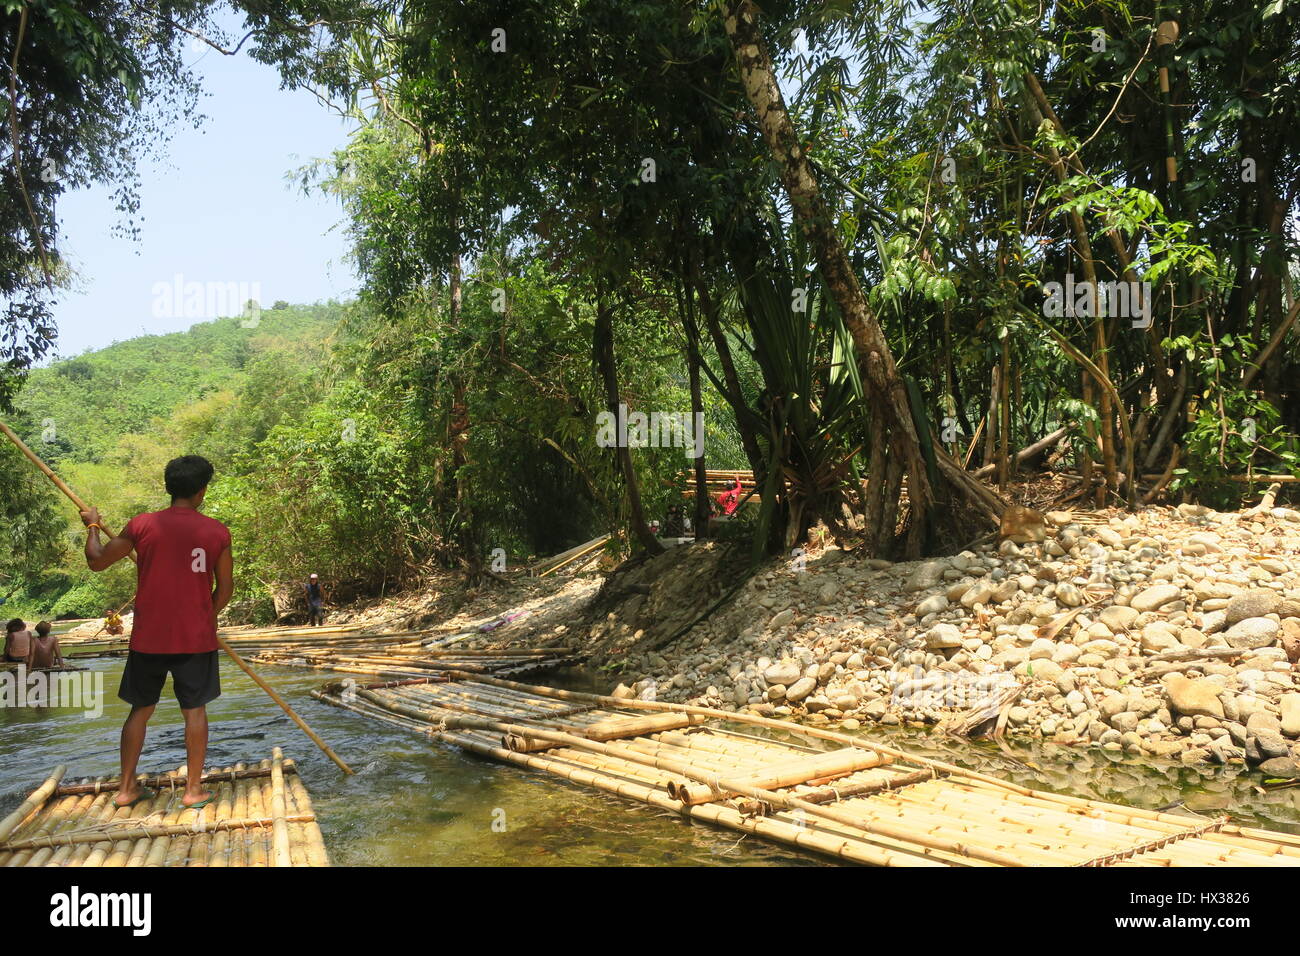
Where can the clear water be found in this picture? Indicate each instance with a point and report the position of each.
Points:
(414, 802)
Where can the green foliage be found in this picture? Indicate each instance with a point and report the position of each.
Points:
(1235, 431)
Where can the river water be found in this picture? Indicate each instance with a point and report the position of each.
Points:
(413, 802)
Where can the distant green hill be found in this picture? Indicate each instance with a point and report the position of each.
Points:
(81, 407)
(109, 420)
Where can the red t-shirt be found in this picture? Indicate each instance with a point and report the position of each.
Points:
(177, 551)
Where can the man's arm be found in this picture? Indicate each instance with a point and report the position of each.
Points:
(225, 573)
(98, 554)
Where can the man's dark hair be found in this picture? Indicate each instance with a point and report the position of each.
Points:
(186, 476)
(16, 624)
(43, 628)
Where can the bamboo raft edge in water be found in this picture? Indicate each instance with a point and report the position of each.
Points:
(260, 816)
(861, 802)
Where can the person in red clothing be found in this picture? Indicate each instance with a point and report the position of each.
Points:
(730, 499)
(185, 576)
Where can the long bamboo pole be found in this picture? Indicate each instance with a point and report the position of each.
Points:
(31, 804)
(82, 506)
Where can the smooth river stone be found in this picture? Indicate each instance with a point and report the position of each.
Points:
(1253, 632)
(1257, 603)
(1155, 597)
(1291, 714)
(1195, 698)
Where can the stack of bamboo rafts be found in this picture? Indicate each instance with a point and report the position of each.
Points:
(718, 480)
(251, 640)
(420, 661)
(393, 654)
(832, 794)
(262, 816)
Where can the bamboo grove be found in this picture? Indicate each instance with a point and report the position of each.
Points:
(880, 247)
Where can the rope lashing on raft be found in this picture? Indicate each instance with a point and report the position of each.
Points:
(1156, 844)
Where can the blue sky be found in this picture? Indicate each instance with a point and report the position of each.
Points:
(215, 209)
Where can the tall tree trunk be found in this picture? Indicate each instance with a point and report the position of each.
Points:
(693, 362)
(734, 394)
(603, 348)
(1037, 106)
(885, 390)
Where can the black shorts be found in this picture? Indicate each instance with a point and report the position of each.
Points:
(196, 678)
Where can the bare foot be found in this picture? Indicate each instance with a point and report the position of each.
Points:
(197, 796)
(125, 797)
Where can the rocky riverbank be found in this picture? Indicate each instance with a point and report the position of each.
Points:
(1173, 632)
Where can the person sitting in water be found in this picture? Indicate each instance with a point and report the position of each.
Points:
(18, 641)
(45, 648)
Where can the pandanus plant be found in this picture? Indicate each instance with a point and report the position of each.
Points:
(811, 407)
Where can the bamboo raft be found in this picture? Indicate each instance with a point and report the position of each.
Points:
(262, 816)
(837, 795)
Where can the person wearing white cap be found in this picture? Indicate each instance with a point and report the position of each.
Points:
(315, 600)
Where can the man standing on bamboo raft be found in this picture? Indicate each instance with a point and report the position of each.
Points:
(185, 576)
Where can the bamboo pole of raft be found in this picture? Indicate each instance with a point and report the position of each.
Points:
(111, 834)
(170, 780)
(32, 803)
(279, 828)
(82, 506)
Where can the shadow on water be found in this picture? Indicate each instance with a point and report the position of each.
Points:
(416, 803)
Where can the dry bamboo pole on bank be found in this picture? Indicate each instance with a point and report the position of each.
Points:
(557, 560)
(82, 506)
(569, 562)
